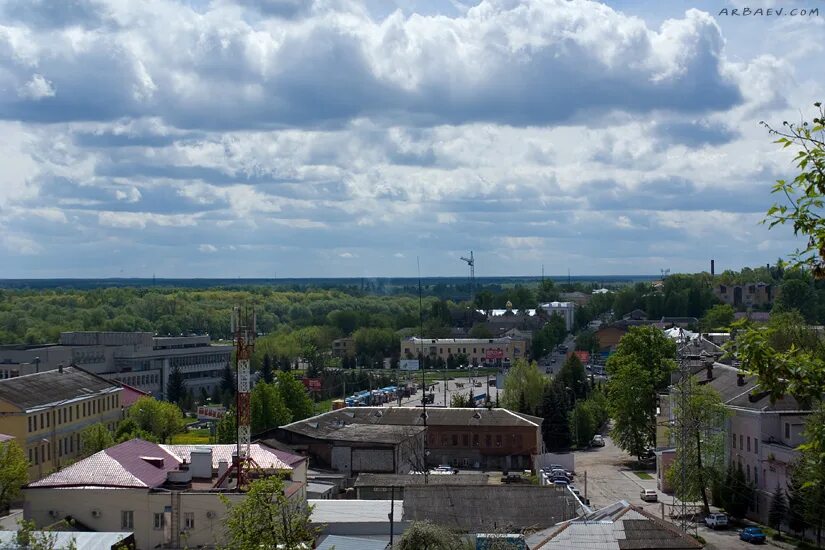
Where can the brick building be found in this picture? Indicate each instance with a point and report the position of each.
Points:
(465, 438)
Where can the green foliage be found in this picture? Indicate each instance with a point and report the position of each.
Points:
(523, 387)
(555, 405)
(551, 335)
(587, 341)
(797, 293)
(226, 431)
(787, 356)
(128, 429)
(423, 535)
(582, 424)
(265, 518)
(461, 400)
(480, 330)
(639, 369)
(375, 341)
(13, 472)
(738, 494)
(295, 396)
(268, 409)
(266, 369)
(809, 470)
(802, 198)
(701, 454)
(159, 418)
(720, 316)
(30, 538)
(95, 438)
(572, 375)
(779, 509)
(175, 391)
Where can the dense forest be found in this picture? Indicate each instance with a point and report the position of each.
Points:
(303, 323)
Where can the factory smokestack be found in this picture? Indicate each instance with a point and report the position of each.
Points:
(712, 268)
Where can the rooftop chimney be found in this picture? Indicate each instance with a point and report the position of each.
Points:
(712, 268)
(740, 379)
(201, 462)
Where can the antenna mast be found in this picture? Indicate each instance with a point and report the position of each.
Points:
(242, 325)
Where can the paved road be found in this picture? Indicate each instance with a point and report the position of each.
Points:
(611, 477)
(459, 385)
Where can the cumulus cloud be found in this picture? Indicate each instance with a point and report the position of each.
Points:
(530, 131)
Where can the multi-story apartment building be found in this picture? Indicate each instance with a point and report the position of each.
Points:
(483, 351)
(47, 411)
(747, 295)
(567, 310)
(759, 435)
(139, 359)
(169, 496)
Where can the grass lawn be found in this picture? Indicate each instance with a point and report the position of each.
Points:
(323, 406)
(191, 437)
(643, 475)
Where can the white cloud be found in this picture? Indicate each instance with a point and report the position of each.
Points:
(140, 220)
(36, 88)
(208, 248)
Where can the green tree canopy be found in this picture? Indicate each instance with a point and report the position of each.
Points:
(95, 438)
(268, 408)
(266, 518)
(423, 535)
(295, 396)
(523, 385)
(14, 472)
(159, 418)
(720, 316)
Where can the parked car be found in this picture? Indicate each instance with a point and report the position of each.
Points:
(752, 534)
(649, 495)
(445, 469)
(648, 454)
(598, 441)
(716, 521)
(561, 482)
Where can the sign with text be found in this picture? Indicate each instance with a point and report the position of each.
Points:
(408, 364)
(211, 412)
(491, 354)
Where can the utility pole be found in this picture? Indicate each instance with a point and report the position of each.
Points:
(421, 366)
(392, 514)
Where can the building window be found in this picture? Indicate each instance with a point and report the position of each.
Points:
(755, 445)
(740, 442)
(488, 440)
(455, 440)
(127, 519)
(159, 521)
(755, 477)
(787, 430)
(498, 440)
(465, 440)
(31, 458)
(30, 424)
(189, 520)
(733, 440)
(748, 468)
(475, 440)
(749, 444)
(34, 422)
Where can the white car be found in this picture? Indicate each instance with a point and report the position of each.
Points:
(649, 495)
(598, 441)
(716, 521)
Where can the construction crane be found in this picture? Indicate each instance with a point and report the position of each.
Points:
(472, 263)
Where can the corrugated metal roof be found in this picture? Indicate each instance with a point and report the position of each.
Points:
(265, 457)
(32, 391)
(62, 539)
(339, 542)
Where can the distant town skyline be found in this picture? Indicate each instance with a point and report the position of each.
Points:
(345, 138)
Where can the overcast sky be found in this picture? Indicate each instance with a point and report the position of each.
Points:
(299, 138)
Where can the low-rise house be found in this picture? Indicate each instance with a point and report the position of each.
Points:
(47, 411)
(343, 347)
(162, 493)
(380, 486)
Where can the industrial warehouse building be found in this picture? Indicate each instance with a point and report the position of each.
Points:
(465, 438)
(138, 359)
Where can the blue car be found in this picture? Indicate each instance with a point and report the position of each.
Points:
(752, 534)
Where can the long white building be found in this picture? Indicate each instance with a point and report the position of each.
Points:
(567, 311)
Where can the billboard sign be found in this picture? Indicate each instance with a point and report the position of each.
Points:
(312, 384)
(211, 412)
(492, 354)
(408, 364)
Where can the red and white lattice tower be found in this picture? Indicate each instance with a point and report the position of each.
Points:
(243, 330)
